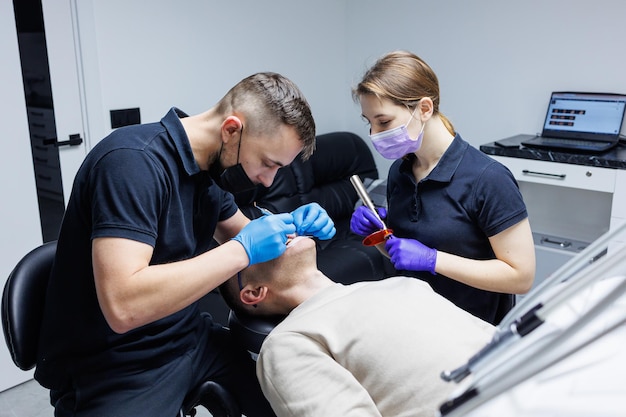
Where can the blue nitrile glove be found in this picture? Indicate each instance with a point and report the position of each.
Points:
(411, 255)
(312, 220)
(364, 222)
(266, 237)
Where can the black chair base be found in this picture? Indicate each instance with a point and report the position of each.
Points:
(214, 398)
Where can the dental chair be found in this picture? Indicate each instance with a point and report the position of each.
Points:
(325, 179)
(250, 331)
(23, 301)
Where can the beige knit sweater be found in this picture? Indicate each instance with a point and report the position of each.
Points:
(368, 349)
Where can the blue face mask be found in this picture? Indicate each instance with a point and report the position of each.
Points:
(395, 143)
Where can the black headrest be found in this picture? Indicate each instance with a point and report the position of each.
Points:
(340, 155)
(323, 178)
(23, 303)
(250, 331)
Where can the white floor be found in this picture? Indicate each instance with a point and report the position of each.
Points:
(26, 400)
(31, 400)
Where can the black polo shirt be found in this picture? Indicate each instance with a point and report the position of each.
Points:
(141, 183)
(465, 199)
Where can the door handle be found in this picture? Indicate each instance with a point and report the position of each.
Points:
(74, 140)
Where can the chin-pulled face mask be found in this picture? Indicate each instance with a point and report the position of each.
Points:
(234, 179)
(395, 143)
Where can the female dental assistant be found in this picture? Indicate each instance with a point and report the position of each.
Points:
(459, 221)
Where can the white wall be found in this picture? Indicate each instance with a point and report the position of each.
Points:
(497, 61)
(155, 54)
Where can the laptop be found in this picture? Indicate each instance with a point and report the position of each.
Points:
(581, 122)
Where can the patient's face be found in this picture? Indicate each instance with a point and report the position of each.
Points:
(300, 243)
(299, 254)
(279, 275)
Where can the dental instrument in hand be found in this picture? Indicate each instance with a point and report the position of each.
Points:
(362, 192)
(263, 210)
(381, 235)
(266, 212)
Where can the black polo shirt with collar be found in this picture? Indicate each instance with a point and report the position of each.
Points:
(465, 199)
(140, 183)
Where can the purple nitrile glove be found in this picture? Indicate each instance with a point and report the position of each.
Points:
(411, 255)
(312, 220)
(364, 221)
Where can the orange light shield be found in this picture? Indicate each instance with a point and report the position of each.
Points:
(377, 237)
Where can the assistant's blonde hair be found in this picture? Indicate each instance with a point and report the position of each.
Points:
(403, 78)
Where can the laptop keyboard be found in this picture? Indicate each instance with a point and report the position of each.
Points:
(575, 142)
(567, 145)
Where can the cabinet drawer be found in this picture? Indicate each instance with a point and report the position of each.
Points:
(562, 175)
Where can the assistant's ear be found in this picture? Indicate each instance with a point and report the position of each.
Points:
(426, 108)
(231, 126)
(253, 294)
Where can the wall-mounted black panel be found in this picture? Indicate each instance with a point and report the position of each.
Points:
(125, 117)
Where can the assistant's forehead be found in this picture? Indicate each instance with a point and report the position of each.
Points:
(373, 107)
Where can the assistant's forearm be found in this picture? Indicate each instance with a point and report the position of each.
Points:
(491, 275)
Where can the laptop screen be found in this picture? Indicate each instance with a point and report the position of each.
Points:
(591, 116)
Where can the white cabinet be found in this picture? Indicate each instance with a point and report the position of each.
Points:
(569, 206)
